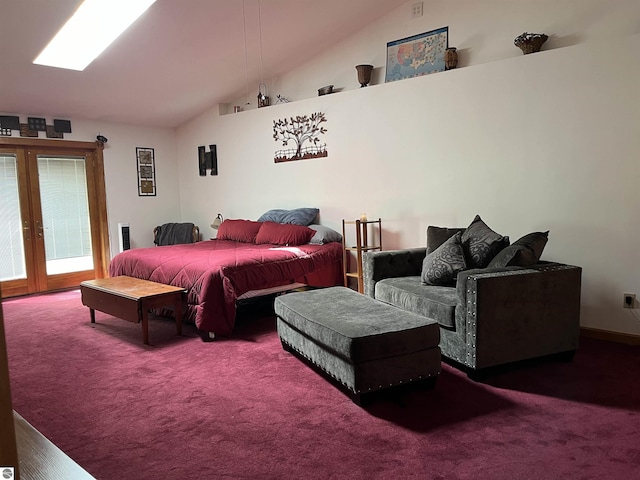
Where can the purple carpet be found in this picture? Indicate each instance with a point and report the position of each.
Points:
(244, 408)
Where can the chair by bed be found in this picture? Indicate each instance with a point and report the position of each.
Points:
(176, 233)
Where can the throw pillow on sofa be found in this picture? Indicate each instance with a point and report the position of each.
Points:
(436, 236)
(523, 252)
(481, 244)
(441, 266)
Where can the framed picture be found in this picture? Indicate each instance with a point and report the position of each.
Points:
(146, 172)
(417, 55)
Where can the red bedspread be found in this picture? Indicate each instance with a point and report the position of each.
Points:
(217, 272)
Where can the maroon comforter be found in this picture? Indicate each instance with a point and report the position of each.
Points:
(217, 272)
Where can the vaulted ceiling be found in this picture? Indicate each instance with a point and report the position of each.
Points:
(180, 58)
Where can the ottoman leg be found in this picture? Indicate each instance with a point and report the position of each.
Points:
(285, 346)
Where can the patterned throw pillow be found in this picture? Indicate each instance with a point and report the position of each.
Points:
(481, 244)
(523, 252)
(441, 266)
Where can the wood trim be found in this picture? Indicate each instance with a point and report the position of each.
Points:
(40, 458)
(44, 143)
(102, 266)
(37, 228)
(8, 448)
(609, 336)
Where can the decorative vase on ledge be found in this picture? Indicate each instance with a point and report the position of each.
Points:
(450, 58)
(364, 74)
(530, 42)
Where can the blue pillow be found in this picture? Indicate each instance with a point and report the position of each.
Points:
(297, 216)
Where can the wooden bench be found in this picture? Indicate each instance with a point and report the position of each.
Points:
(131, 299)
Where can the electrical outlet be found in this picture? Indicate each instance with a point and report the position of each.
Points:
(416, 10)
(629, 300)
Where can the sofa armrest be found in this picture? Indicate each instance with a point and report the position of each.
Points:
(377, 266)
(518, 313)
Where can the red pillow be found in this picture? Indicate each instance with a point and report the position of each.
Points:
(238, 230)
(284, 234)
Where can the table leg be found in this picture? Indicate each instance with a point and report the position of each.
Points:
(145, 326)
(179, 305)
(92, 314)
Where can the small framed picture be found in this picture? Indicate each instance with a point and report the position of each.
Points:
(146, 172)
(418, 55)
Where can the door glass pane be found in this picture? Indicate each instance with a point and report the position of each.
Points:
(12, 262)
(65, 214)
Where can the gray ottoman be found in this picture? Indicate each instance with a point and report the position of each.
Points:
(364, 344)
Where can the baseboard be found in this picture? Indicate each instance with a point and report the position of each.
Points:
(618, 337)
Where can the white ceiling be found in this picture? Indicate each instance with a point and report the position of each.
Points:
(179, 59)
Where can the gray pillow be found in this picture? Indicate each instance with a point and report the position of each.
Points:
(481, 244)
(324, 235)
(441, 266)
(523, 252)
(297, 216)
(436, 236)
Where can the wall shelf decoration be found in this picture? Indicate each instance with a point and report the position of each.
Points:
(298, 130)
(418, 55)
(52, 133)
(62, 126)
(37, 124)
(10, 122)
(146, 172)
(25, 131)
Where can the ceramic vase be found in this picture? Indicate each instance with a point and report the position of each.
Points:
(364, 74)
(450, 58)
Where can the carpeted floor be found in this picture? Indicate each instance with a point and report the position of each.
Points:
(244, 408)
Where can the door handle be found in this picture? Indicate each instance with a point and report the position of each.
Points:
(40, 228)
(26, 230)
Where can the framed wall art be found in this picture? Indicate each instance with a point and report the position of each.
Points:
(295, 132)
(146, 172)
(418, 55)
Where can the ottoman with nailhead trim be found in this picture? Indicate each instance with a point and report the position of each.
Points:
(361, 343)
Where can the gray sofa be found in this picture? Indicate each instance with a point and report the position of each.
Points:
(491, 316)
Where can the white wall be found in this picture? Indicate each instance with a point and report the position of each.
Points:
(121, 181)
(547, 141)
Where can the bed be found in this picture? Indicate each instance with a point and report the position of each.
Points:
(247, 258)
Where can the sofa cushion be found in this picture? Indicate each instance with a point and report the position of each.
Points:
(523, 252)
(481, 244)
(436, 236)
(409, 293)
(441, 266)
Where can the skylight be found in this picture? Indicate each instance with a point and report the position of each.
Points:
(91, 29)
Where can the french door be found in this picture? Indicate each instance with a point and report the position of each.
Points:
(53, 226)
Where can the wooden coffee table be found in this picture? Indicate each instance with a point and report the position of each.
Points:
(131, 299)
